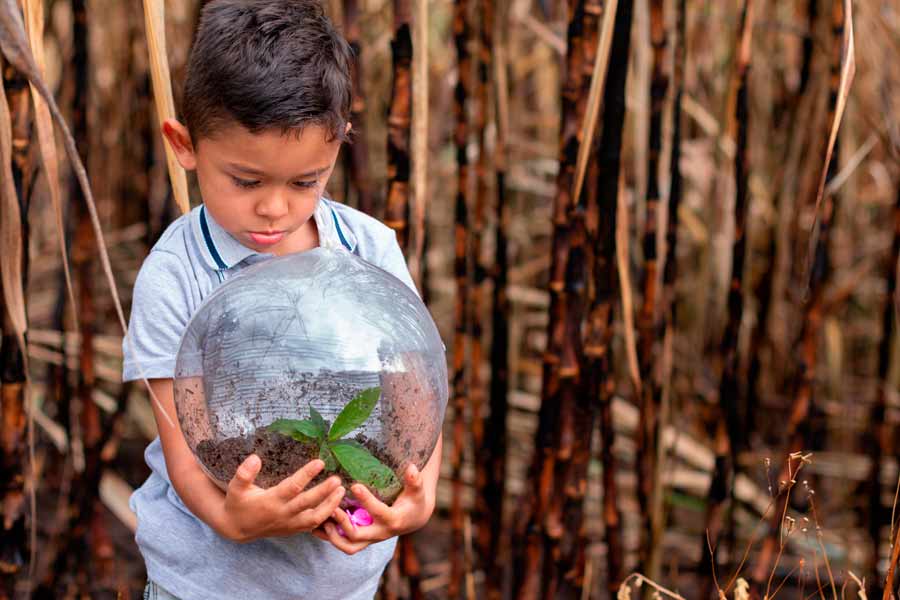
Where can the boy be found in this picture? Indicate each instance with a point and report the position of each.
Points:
(266, 107)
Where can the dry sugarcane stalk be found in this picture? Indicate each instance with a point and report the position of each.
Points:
(494, 448)
(486, 534)
(670, 270)
(764, 289)
(571, 559)
(356, 157)
(15, 434)
(600, 384)
(155, 22)
(879, 441)
(396, 212)
(416, 77)
(667, 300)
(768, 289)
(419, 139)
(796, 435)
(728, 428)
(83, 513)
(563, 353)
(461, 33)
(648, 320)
(477, 388)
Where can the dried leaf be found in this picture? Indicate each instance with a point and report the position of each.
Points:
(14, 44)
(34, 25)
(625, 285)
(155, 22)
(595, 96)
(11, 232)
(848, 71)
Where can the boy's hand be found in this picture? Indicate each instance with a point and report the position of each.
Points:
(410, 511)
(285, 509)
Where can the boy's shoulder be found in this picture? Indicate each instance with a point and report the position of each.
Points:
(177, 237)
(369, 237)
(173, 258)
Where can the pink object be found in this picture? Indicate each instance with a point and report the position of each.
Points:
(359, 517)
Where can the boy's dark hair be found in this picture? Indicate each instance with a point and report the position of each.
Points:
(267, 64)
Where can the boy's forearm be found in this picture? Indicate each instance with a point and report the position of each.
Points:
(202, 497)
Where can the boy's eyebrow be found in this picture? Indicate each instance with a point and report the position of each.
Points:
(251, 171)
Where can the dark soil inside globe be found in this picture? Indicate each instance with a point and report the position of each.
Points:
(281, 457)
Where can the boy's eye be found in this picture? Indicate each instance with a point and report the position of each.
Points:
(305, 184)
(244, 183)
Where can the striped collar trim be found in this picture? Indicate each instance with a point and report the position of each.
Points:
(221, 251)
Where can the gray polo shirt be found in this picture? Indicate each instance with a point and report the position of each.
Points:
(183, 554)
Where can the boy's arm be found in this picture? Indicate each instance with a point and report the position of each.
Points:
(246, 512)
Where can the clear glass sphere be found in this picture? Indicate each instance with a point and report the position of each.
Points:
(313, 355)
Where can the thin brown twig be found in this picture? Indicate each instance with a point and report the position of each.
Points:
(812, 504)
(785, 580)
(712, 560)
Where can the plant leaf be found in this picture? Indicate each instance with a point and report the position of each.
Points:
(327, 457)
(302, 430)
(355, 413)
(319, 421)
(363, 467)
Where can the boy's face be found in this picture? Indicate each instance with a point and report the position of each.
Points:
(261, 188)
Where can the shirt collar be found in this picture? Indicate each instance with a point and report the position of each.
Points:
(221, 251)
(333, 230)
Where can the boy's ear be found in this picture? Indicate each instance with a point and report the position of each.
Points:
(179, 139)
(348, 128)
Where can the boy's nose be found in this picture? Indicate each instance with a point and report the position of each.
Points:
(273, 206)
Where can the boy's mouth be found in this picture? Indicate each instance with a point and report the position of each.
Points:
(266, 238)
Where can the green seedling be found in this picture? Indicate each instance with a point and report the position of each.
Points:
(334, 449)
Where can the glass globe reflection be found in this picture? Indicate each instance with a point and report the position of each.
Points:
(313, 355)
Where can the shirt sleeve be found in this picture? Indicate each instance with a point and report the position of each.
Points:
(393, 261)
(160, 310)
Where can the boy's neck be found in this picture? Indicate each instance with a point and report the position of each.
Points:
(304, 238)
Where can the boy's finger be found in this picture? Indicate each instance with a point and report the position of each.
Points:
(413, 479)
(359, 533)
(313, 497)
(343, 520)
(341, 543)
(378, 509)
(313, 517)
(320, 533)
(246, 474)
(296, 483)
